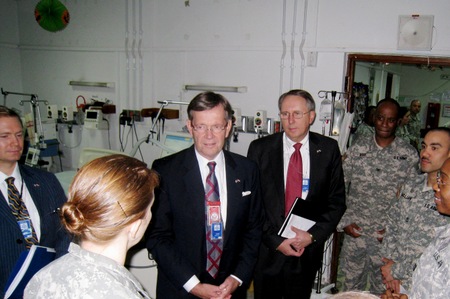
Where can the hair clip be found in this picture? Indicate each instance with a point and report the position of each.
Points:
(118, 202)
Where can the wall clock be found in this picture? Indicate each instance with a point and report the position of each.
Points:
(415, 32)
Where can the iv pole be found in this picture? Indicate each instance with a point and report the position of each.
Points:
(152, 131)
(322, 94)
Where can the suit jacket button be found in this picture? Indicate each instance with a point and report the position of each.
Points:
(19, 241)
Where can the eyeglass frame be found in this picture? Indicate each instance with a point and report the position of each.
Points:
(296, 114)
(439, 181)
(216, 129)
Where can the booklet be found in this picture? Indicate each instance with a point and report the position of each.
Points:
(296, 217)
(28, 264)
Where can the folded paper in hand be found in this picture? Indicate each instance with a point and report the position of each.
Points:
(296, 217)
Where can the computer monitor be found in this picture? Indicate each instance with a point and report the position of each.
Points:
(176, 141)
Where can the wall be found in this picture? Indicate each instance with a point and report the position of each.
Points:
(252, 43)
(232, 43)
(428, 87)
(10, 73)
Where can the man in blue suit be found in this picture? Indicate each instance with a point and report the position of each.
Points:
(286, 267)
(39, 190)
(177, 238)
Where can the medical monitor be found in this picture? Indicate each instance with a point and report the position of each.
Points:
(94, 119)
(93, 114)
(176, 141)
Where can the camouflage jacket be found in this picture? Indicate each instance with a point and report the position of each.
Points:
(414, 127)
(362, 131)
(82, 274)
(410, 227)
(432, 275)
(372, 177)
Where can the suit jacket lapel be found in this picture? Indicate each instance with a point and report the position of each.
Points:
(314, 160)
(33, 188)
(275, 155)
(5, 212)
(234, 191)
(277, 164)
(190, 173)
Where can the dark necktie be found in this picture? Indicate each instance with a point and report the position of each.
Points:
(19, 210)
(294, 178)
(212, 203)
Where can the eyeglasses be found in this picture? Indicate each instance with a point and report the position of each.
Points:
(296, 114)
(439, 180)
(204, 128)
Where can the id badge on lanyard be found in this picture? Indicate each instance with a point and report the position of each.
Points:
(215, 220)
(25, 227)
(305, 185)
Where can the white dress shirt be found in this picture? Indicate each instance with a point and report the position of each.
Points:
(26, 197)
(221, 176)
(288, 150)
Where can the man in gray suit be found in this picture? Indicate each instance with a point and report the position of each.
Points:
(286, 267)
(39, 190)
(179, 233)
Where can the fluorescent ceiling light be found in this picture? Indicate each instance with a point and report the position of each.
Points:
(240, 89)
(92, 84)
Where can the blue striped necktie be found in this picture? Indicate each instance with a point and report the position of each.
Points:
(19, 210)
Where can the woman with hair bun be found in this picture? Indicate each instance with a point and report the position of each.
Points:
(107, 212)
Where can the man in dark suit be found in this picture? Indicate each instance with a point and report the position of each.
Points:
(177, 237)
(286, 268)
(39, 190)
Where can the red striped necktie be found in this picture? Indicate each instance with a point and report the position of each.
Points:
(294, 178)
(213, 246)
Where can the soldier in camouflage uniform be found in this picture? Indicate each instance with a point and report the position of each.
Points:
(415, 123)
(431, 277)
(366, 127)
(402, 128)
(413, 215)
(108, 211)
(374, 167)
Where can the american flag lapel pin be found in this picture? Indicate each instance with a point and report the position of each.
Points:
(319, 151)
(36, 185)
(237, 181)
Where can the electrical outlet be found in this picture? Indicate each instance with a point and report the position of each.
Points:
(135, 115)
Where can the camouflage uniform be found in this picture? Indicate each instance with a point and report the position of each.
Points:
(372, 177)
(82, 274)
(414, 127)
(362, 131)
(410, 227)
(402, 132)
(432, 275)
